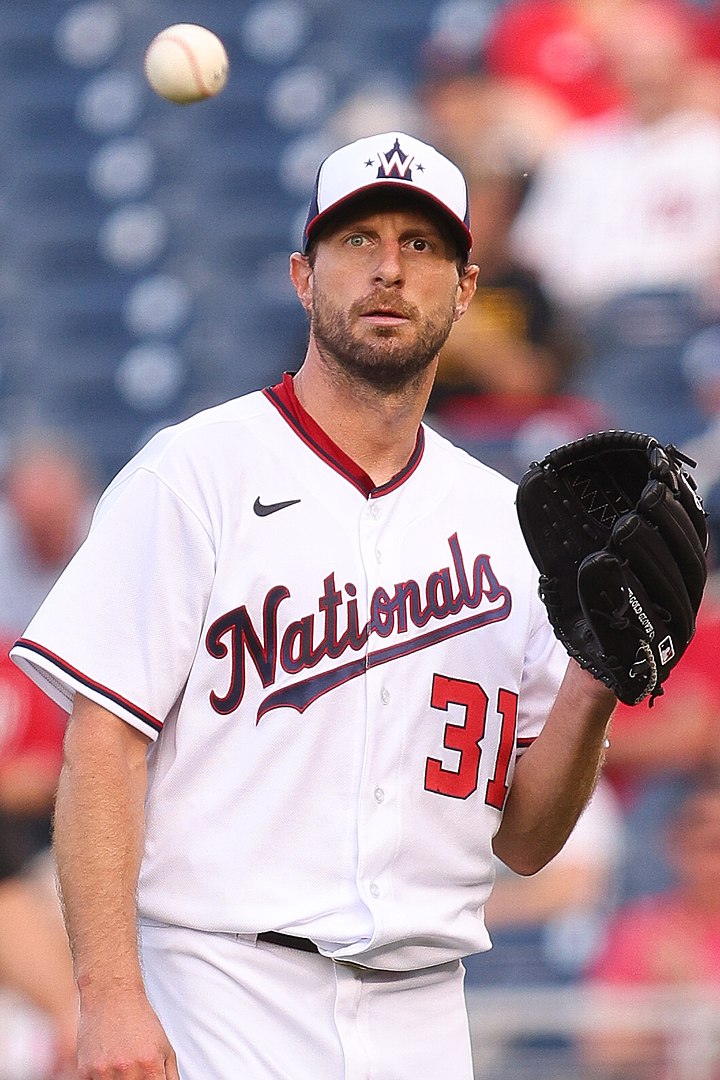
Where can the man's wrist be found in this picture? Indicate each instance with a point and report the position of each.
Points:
(100, 982)
(595, 689)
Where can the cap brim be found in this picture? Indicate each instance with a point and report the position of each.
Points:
(458, 228)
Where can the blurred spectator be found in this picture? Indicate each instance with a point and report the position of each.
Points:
(545, 928)
(631, 201)
(558, 48)
(31, 733)
(488, 122)
(622, 225)
(656, 755)
(701, 365)
(513, 341)
(503, 378)
(34, 955)
(48, 491)
(670, 940)
(508, 361)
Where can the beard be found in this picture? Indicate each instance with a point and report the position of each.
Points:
(382, 360)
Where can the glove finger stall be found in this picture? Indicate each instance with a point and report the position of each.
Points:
(692, 504)
(615, 606)
(667, 514)
(651, 565)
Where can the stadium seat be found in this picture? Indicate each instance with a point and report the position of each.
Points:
(634, 369)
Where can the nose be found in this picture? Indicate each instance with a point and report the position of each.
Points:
(389, 266)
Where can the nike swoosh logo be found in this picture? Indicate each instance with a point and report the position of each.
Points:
(272, 508)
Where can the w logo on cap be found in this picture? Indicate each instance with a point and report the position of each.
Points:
(415, 167)
(395, 165)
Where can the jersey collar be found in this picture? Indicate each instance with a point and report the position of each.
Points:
(284, 398)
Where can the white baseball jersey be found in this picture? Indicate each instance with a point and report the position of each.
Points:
(337, 678)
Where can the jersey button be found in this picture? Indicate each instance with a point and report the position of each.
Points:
(384, 695)
(374, 511)
(379, 795)
(378, 555)
(374, 890)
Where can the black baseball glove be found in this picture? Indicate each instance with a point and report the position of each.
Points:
(619, 535)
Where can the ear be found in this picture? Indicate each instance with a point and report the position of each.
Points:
(301, 275)
(466, 290)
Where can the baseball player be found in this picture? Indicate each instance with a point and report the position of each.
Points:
(312, 689)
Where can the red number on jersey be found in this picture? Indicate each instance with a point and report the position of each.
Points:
(497, 787)
(466, 738)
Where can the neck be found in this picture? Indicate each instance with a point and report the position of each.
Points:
(376, 428)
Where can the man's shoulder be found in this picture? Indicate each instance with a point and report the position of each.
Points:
(236, 410)
(202, 442)
(468, 469)
(225, 420)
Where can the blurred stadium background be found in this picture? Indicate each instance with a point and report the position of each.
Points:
(143, 246)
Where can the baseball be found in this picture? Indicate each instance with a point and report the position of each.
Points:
(186, 63)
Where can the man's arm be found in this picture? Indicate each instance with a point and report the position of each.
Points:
(99, 828)
(556, 776)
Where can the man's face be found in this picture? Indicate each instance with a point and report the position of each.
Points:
(383, 293)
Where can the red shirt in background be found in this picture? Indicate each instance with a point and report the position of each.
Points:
(660, 941)
(30, 723)
(548, 44)
(672, 722)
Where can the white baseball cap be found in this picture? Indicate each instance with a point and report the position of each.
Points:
(390, 160)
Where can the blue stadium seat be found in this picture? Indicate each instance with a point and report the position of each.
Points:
(634, 365)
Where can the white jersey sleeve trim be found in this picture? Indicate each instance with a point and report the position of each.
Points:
(61, 682)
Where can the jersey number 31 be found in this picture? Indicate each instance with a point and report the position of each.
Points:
(467, 737)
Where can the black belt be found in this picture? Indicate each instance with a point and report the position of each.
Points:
(302, 943)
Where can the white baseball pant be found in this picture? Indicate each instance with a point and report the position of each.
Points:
(237, 1009)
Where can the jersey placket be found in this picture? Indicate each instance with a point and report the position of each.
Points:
(378, 794)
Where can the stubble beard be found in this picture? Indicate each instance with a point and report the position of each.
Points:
(383, 361)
